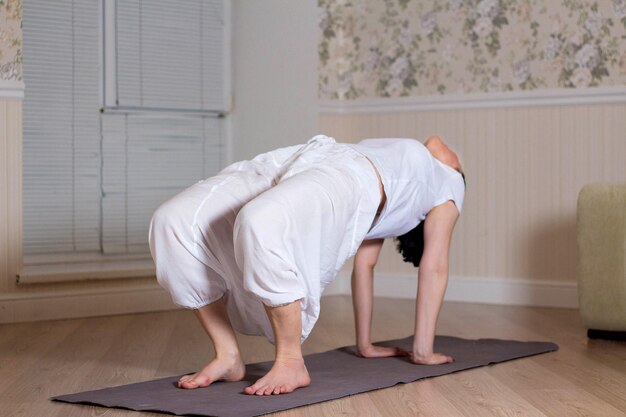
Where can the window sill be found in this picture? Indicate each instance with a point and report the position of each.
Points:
(51, 272)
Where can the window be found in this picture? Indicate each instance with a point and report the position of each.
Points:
(124, 107)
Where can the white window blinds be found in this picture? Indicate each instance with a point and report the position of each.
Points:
(148, 158)
(162, 132)
(61, 155)
(170, 54)
(102, 149)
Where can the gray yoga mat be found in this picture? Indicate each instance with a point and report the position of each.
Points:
(335, 374)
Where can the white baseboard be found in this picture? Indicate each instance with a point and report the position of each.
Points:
(74, 304)
(473, 290)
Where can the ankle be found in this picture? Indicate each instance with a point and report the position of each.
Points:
(228, 355)
(291, 350)
(290, 357)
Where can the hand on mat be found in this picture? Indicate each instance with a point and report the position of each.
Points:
(373, 351)
(432, 359)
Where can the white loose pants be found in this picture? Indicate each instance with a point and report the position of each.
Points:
(270, 230)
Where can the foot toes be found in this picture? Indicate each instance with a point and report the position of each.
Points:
(263, 390)
(253, 389)
(197, 382)
(190, 383)
(185, 378)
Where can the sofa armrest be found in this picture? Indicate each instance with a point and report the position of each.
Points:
(601, 269)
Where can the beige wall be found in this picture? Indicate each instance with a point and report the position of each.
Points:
(524, 168)
(10, 190)
(275, 75)
(528, 133)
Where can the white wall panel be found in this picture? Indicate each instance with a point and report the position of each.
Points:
(524, 169)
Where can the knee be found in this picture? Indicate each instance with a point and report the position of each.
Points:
(161, 220)
(249, 227)
(166, 222)
(246, 233)
(169, 241)
(254, 217)
(260, 251)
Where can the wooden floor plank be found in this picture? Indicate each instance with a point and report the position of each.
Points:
(580, 361)
(421, 398)
(546, 389)
(25, 343)
(476, 393)
(61, 368)
(583, 378)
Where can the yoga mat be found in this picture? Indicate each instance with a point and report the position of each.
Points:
(335, 374)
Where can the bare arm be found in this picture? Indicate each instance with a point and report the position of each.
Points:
(432, 282)
(362, 299)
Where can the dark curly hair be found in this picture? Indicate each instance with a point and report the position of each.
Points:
(411, 244)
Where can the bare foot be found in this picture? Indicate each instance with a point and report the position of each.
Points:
(374, 351)
(432, 359)
(219, 369)
(285, 376)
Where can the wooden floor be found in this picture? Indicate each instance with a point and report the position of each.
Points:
(584, 378)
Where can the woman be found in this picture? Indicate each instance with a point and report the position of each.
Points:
(422, 221)
(253, 247)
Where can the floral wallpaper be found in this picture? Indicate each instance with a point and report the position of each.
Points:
(392, 48)
(11, 40)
